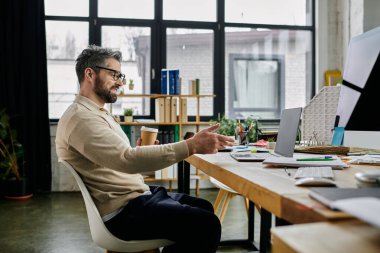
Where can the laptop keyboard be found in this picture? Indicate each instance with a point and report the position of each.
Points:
(320, 172)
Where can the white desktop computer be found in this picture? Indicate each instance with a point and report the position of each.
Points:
(359, 103)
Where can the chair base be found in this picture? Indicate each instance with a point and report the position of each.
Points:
(146, 251)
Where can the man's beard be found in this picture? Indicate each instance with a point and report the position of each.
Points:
(102, 92)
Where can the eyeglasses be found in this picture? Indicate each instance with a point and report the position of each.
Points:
(116, 75)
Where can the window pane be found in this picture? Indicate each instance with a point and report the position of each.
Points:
(65, 40)
(134, 43)
(138, 9)
(266, 71)
(286, 12)
(192, 10)
(191, 51)
(79, 8)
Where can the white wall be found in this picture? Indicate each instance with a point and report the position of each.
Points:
(371, 14)
(337, 22)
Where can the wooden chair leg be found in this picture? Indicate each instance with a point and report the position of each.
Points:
(223, 212)
(218, 200)
(246, 203)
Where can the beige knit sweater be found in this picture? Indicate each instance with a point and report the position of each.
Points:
(91, 140)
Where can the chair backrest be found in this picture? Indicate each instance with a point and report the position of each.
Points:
(99, 232)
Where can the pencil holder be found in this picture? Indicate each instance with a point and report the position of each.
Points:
(243, 138)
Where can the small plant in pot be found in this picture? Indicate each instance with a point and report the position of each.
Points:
(128, 115)
(13, 182)
(131, 84)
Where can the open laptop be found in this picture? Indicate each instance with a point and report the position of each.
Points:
(286, 138)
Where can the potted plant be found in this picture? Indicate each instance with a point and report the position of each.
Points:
(229, 127)
(128, 115)
(13, 181)
(131, 85)
(271, 143)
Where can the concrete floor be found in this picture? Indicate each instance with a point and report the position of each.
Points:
(57, 223)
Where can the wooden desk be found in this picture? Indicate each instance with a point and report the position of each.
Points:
(273, 190)
(340, 237)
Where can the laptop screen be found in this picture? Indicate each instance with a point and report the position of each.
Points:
(287, 132)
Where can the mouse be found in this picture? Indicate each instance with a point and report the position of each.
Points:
(315, 181)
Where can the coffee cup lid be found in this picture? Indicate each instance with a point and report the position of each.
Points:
(149, 129)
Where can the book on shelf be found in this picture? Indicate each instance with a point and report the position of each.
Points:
(167, 116)
(194, 86)
(130, 131)
(184, 109)
(197, 83)
(160, 109)
(173, 109)
(170, 82)
(176, 133)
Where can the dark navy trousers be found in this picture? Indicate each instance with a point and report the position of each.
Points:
(188, 221)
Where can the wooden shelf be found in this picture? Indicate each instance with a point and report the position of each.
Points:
(150, 179)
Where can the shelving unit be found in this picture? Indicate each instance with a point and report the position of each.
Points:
(196, 123)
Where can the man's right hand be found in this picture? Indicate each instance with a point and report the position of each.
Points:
(207, 141)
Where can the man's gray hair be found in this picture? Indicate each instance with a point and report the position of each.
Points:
(94, 56)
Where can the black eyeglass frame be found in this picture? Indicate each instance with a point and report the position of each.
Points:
(116, 74)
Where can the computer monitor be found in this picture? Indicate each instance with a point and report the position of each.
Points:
(359, 102)
(360, 92)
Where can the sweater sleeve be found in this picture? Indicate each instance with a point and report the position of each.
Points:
(99, 143)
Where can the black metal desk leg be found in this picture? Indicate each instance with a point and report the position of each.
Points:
(186, 177)
(251, 222)
(281, 222)
(266, 220)
(180, 177)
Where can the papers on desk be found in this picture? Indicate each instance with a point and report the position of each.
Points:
(335, 162)
(242, 148)
(363, 203)
(366, 209)
(364, 159)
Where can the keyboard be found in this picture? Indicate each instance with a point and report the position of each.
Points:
(320, 172)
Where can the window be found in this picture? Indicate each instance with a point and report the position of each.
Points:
(266, 71)
(191, 51)
(255, 57)
(79, 8)
(256, 84)
(134, 43)
(286, 12)
(141, 9)
(65, 40)
(191, 10)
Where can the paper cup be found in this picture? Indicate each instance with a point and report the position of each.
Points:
(148, 135)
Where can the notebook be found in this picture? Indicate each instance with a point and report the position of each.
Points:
(286, 138)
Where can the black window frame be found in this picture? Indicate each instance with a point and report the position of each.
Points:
(158, 44)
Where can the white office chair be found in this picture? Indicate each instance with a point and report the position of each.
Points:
(99, 232)
(227, 193)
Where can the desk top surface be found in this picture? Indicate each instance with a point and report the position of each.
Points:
(272, 188)
(340, 237)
